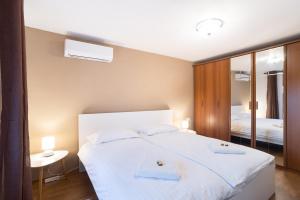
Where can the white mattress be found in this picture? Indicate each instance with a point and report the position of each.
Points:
(267, 130)
(235, 169)
(111, 168)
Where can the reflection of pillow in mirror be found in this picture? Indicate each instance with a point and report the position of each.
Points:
(238, 116)
(237, 109)
(245, 115)
(234, 117)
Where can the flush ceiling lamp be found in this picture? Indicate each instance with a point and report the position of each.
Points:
(209, 26)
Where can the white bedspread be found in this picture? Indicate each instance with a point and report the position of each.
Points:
(267, 130)
(236, 170)
(111, 168)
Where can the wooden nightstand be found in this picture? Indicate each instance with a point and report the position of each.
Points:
(39, 161)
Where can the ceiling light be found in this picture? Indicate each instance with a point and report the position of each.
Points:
(209, 26)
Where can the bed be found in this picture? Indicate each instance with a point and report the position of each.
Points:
(111, 166)
(267, 130)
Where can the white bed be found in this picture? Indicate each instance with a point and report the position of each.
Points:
(267, 130)
(111, 166)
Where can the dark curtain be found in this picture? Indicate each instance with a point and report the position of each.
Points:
(15, 172)
(272, 97)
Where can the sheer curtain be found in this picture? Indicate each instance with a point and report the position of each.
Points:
(15, 173)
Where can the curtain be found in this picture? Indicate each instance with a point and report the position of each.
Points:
(15, 172)
(272, 96)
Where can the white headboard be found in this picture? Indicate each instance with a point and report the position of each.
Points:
(89, 123)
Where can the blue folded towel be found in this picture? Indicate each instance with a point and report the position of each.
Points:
(225, 148)
(158, 169)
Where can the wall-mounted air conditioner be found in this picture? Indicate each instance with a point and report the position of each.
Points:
(240, 76)
(82, 50)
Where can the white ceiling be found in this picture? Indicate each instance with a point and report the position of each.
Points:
(167, 27)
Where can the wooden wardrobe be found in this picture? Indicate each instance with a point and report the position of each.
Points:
(293, 106)
(212, 99)
(212, 103)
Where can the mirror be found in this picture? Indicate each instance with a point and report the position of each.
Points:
(240, 99)
(269, 102)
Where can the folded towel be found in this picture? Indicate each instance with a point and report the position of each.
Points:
(225, 148)
(158, 169)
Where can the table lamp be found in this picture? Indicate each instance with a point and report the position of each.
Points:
(185, 124)
(48, 144)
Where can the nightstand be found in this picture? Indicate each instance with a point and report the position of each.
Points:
(39, 161)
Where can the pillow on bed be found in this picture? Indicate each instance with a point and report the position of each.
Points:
(153, 130)
(110, 135)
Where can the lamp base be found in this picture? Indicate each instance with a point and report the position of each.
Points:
(48, 153)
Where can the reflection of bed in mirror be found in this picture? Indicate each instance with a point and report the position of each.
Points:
(267, 130)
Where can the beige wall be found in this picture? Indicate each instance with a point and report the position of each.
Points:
(60, 88)
(240, 91)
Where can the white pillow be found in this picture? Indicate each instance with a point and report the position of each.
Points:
(245, 115)
(110, 135)
(153, 130)
(235, 117)
(237, 109)
(239, 116)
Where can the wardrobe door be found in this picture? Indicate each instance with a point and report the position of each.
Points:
(199, 104)
(241, 131)
(270, 88)
(212, 101)
(222, 108)
(293, 106)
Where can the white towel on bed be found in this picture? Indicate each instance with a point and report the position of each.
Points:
(150, 168)
(225, 148)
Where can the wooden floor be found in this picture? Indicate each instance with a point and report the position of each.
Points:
(287, 185)
(77, 186)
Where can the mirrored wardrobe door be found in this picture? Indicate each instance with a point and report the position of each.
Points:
(240, 100)
(269, 102)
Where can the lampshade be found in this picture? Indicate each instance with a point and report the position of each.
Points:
(48, 143)
(185, 124)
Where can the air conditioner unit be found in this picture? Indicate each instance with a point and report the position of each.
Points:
(242, 77)
(82, 50)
